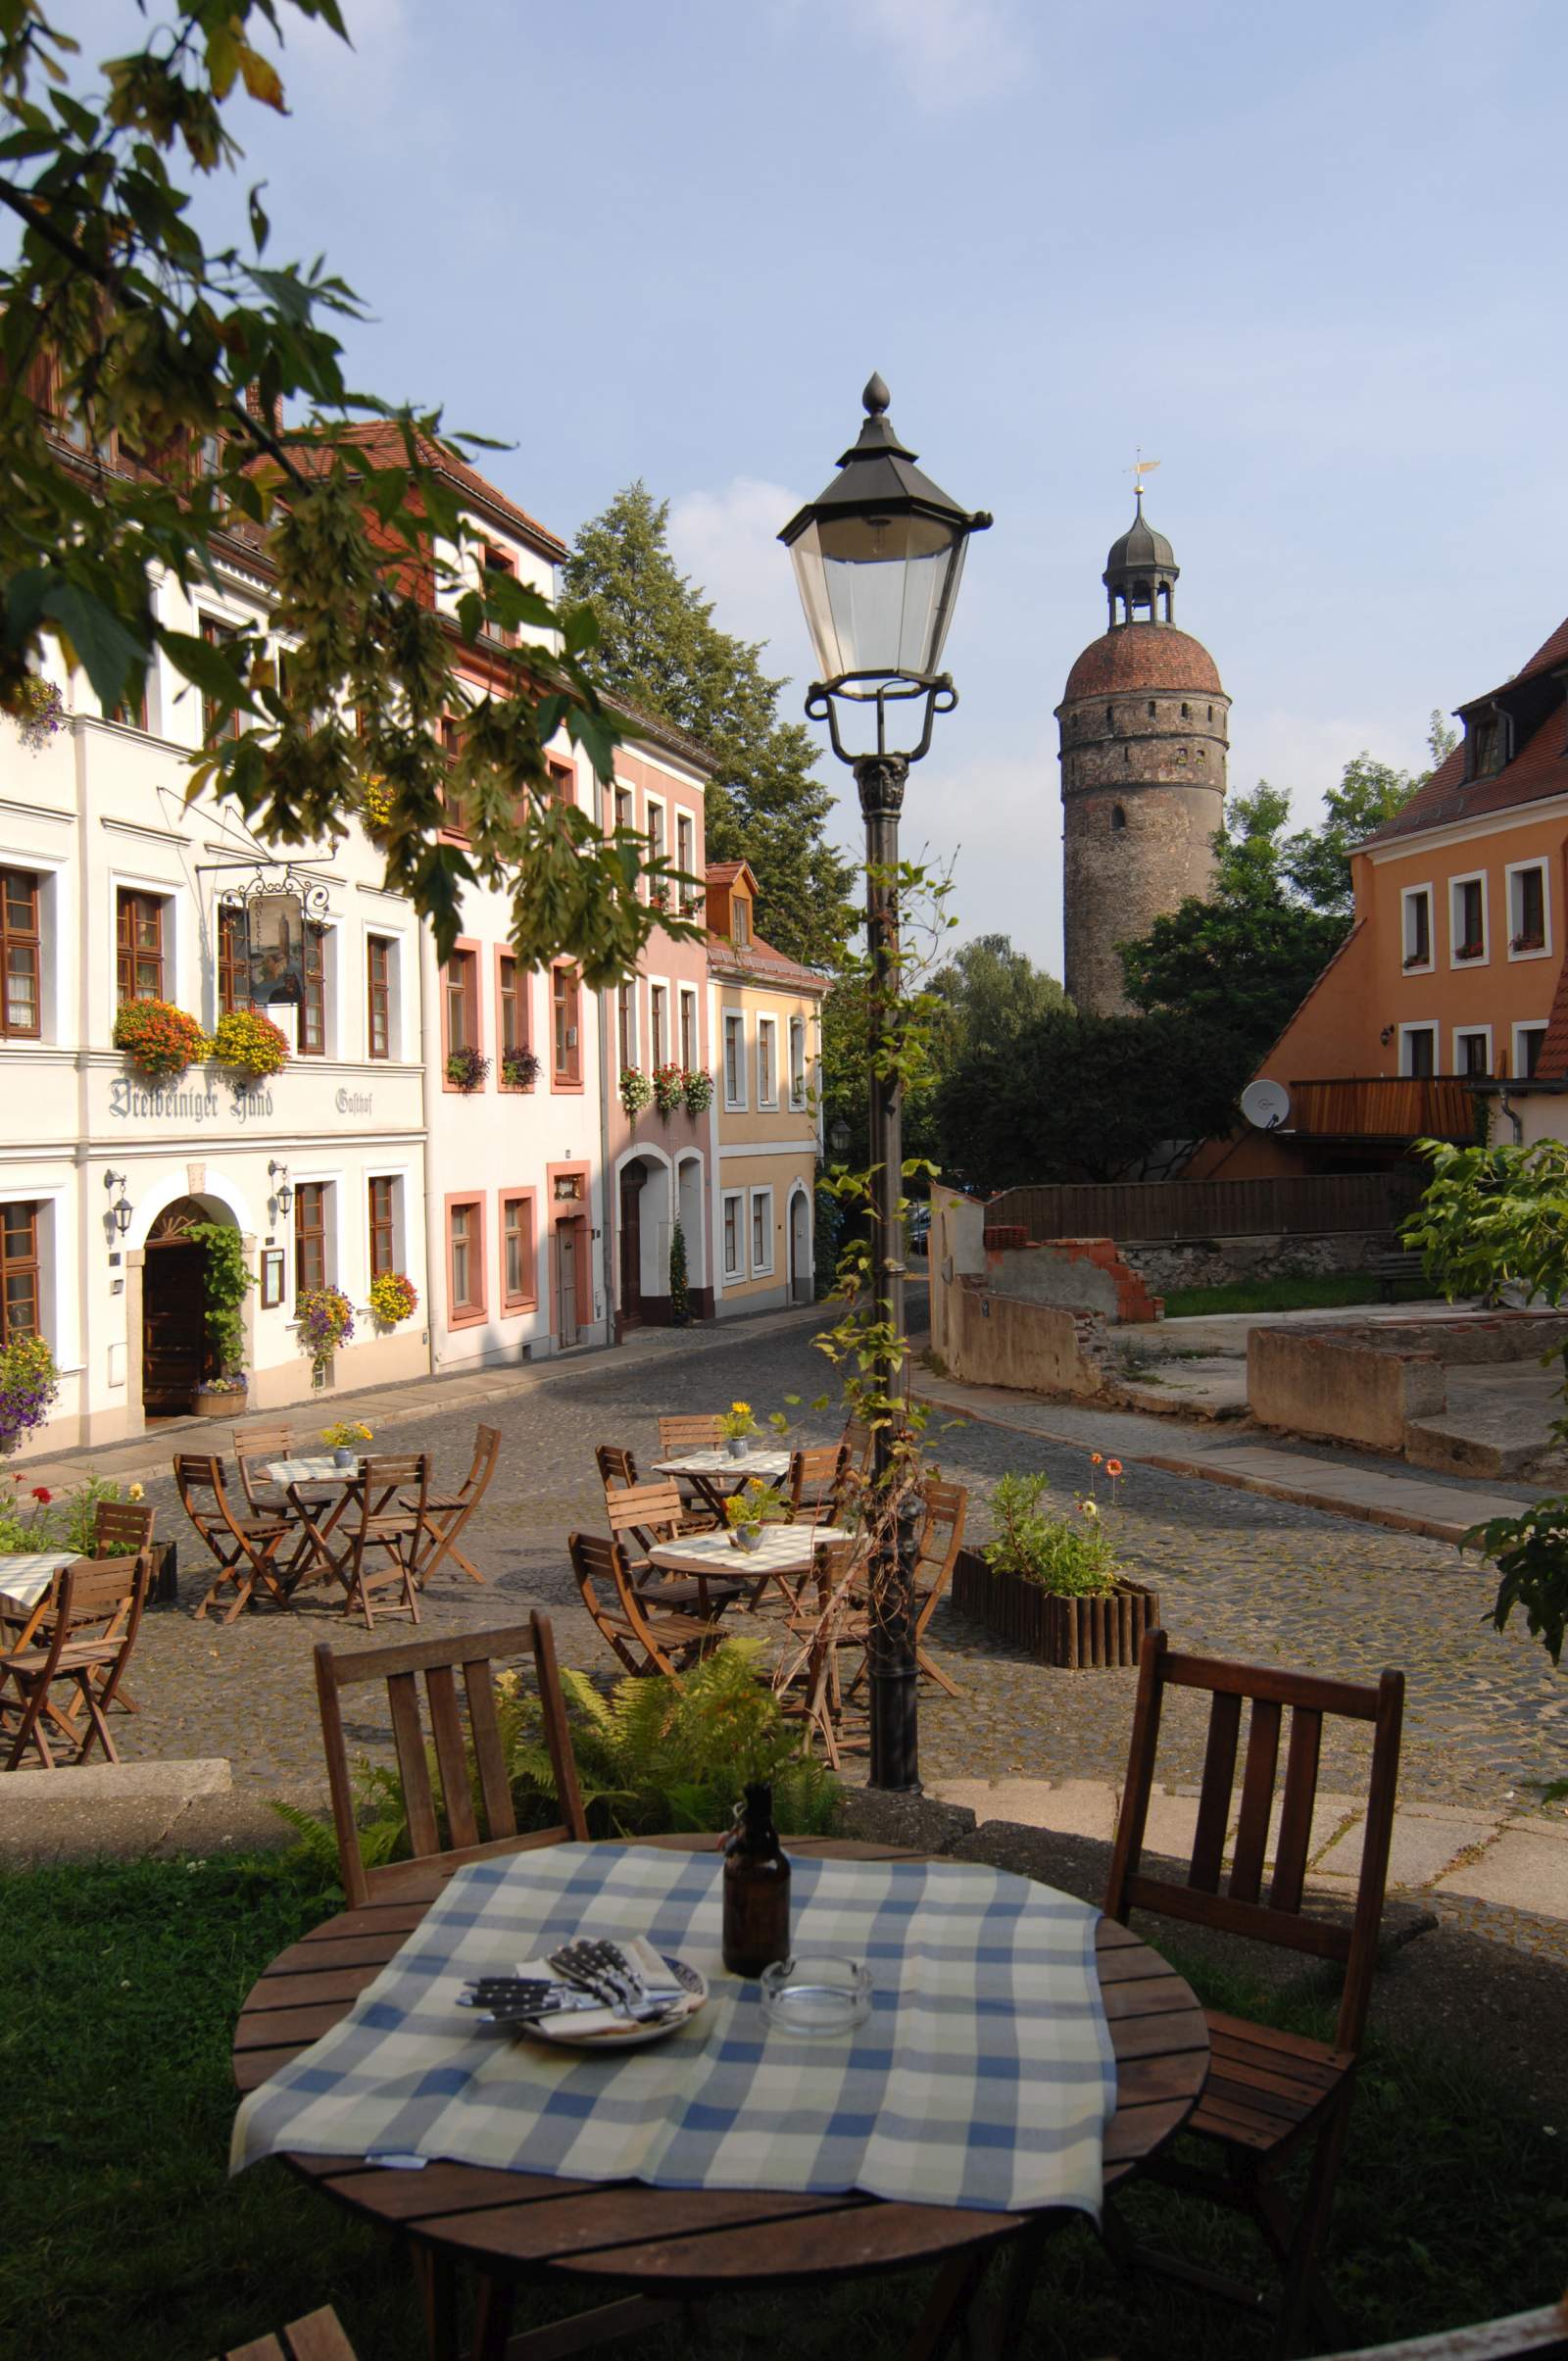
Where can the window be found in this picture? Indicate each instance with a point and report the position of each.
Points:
(1467, 918)
(797, 1062)
(499, 562)
(1526, 909)
(688, 1030)
(626, 1025)
(565, 1040)
(512, 995)
(1471, 1051)
(1486, 742)
(659, 1024)
(563, 782)
(686, 848)
(378, 996)
(1527, 1047)
(625, 809)
(519, 1265)
(767, 1063)
(734, 1061)
(1417, 903)
(20, 956)
(463, 1001)
(217, 720)
(312, 1009)
(739, 921)
(465, 1258)
(310, 1235)
(130, 711)
(658, 891)
(1418, 1050)
(762, 1232)
(19, 1272)
(734, 1247)
(383, 1227)
(1118, 818)
(233, 961)
(139, 929)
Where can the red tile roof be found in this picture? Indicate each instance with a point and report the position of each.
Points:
(757, 962)
(1143, 655)
(724, 872)
(1539, 769)
(1552, 1063)
(384, 442)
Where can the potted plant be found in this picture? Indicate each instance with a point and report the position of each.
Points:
(159, 1039)
(1470, 951)
(696, 1089)
(680, 1301)
(636, 1090)
(224, 1281)
(1052, 1584)
(324, 1317)
(466, 1069)
(249, 1043)
(519, 1069)
(343, 1439)
(28, 1384)
(393, 1298)
(1527, 943)
(669, 1089)
(738, 1426)
(41, 713)
(748, 1510)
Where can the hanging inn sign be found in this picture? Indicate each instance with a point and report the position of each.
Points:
(269, 915)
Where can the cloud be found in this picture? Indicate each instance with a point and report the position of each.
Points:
(948, 53)
(728, 543)
(1306, 753)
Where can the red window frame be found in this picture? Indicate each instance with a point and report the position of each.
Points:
(463, 1311)
(460, 999)
(21, 953)
(313, 1013)
(234, 962)
(565, 1016)
(310, 1236)
(519, 1221)
(218, 724)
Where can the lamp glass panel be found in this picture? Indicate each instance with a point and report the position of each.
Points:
(879, 592)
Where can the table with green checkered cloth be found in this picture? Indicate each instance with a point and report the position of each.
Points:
(983, 2077)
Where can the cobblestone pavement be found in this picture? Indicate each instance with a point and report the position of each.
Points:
(1238, 1575)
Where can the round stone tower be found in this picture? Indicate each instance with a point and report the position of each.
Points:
(1143, 770)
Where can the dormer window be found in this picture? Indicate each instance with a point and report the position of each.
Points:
(740, 921)
(499, 562)
(1485, 739)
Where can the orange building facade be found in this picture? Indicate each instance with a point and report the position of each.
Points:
(1450, 986)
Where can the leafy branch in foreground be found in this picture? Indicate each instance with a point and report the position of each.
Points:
(145, 380)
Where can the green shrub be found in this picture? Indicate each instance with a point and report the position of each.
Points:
(1071, 1556)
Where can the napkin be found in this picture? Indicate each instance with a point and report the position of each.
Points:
(650, 1965)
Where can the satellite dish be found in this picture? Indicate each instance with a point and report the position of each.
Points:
(1268, 1104)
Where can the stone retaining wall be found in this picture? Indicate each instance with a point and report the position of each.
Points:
(994, 1340)
(1165, 1266)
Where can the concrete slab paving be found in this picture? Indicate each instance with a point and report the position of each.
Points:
(1521, 1868)
(1074, 1807)
(117, 1811)
(1421, 1850)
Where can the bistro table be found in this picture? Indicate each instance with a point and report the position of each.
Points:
(783, 1550)
(715, 1473)
(628, 2241)
(317, 1517)
(24, 1578)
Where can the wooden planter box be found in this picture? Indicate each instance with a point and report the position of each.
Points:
(217, 1405)
(1079, 1634)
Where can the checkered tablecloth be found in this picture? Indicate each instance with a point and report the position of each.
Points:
(769, 1464)
(317, 1470)
(984, 2076)
(25, 1578)
(782, 1550)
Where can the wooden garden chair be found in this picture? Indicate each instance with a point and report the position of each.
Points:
(650, 1513)
(443, 1516)
(257, 1446)
(804, 1678)
(935, 1553)
(617, 1469)
(120, 1529)
(1270, 2096)
(645, 1633)
(472, 1816)
(815, 1476)
(81, 1633)
(247, 1548)
(677, 1436)
(319, 2336)
(383, 1522)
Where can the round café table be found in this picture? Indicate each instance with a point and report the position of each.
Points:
(646, 2250)
(782, 1552)
(715, 1473)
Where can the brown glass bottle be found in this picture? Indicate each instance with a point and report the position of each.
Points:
(757, 1890)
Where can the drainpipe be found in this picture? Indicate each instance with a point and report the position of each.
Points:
(1513, 1114)
(434, 1241)
(605, 1241)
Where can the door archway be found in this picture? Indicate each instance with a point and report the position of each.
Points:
(173, 1327)
(633, 1180)
(803, 1288)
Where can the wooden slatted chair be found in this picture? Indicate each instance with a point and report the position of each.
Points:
(935, 1553)
(804, 1678)
(384, 1523)
(641, 1514)
(81, 1633)
(1542, 2334)
(120, 1529)
(319, 2336)
(248, 1549)
(1269, 2095)
(617, 1466)
(698, 1431)
(647, 1634)
(447, 1826)
(815, 1475)
(256, 1448)
(443, 1516)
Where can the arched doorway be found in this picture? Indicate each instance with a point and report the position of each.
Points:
(173, 1328)
(634, 1181)
(803, 1288)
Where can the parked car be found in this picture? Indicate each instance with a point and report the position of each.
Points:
(918, 1228)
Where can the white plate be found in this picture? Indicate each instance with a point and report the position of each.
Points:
(560, 2030)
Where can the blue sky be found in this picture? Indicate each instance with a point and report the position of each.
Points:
(1309, 259)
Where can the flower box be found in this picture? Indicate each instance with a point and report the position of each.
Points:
(1470, 951)
(219, 1401)
(1079, 1635)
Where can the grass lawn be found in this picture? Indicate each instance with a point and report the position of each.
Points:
(1287, 1295)
(119, 1991)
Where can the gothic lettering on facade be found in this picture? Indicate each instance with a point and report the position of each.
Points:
(353, 1102)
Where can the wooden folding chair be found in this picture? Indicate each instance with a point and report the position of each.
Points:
(473, 1773)
(815, 1475)
(1542, 2334)
(257, 1446)
(247, 1548)
(384, 1525)
(319, 2336)
(804, 1678)
(697, 1433)
(444, 1515)
(647, 1634)
(935, 1553)
(81, 1633)
(617, 1469)
(119, 1529)
(648, 1514)
(1269, 2095)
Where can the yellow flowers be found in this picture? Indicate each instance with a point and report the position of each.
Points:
(345, 1433)
(740, 1410)
(136, 1492)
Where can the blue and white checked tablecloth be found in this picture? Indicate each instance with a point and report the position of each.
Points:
(24, 1579)
(984, 2076)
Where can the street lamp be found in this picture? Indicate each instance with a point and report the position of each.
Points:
(878, 558)
(282, 1189)
(838, 1138)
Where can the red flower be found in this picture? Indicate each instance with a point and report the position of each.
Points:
(39, 1493)
(1113, 1467)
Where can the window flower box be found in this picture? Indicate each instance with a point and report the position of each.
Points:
(160, 1040)
(1418, 959)
(697, 1088)
(1075, 1634)
(1470, 951)
(669, 1089)
(249, 1043)
(519, 1069)
(466, 1069)
(636, 1092)
(1528, 943)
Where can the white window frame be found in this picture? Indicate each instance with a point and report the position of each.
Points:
(333, 1179)
(1406, 1070)
(179, 964)
(686, 998)
(732, 1198)
(398, 1175)
(1519, 1064)
(1463, 1033)
(768, 1069)
(1455, 887)
(56, 1019)
(655, 821)
(735, 1018)
(658, 984)
(396, 970)
(1518, 868)
(759, 1200)
(686, 848)
(1420, 966)
(798, 1076)
(633, 1063)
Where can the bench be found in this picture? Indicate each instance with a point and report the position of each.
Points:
(1389, 1269)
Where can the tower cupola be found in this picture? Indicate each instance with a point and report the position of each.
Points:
(1140, 574)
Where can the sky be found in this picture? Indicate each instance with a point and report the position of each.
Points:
(1294, 255)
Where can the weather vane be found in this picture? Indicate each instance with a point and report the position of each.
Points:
(1141, 467)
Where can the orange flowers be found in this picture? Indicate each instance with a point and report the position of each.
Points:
(1097, 1459)
(1113, 1467)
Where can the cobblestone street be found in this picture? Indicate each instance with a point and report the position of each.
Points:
(1238, 1575)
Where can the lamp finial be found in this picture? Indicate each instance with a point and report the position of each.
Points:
(876, 396)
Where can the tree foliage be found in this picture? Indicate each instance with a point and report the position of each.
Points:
(145, 380)
(660, 649)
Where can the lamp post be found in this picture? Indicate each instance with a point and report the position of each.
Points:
(877, 559)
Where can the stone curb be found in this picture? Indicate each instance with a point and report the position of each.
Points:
(1299, 1495)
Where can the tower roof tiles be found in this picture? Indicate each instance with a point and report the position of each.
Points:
(1143, 655)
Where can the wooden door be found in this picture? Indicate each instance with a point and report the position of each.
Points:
(566, 1247)
(801, 1289)
(631, 1245)
(173, 1330)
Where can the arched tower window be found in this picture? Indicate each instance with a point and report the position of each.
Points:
(1111, 717)
(1151, 709)
(1118, 818)
(1184, 713)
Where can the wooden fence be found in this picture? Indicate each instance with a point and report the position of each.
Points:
(1143, 1211)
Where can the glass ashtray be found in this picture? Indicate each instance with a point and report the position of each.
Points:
(813, 1997)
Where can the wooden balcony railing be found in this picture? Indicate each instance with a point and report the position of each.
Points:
(1385, 1107)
